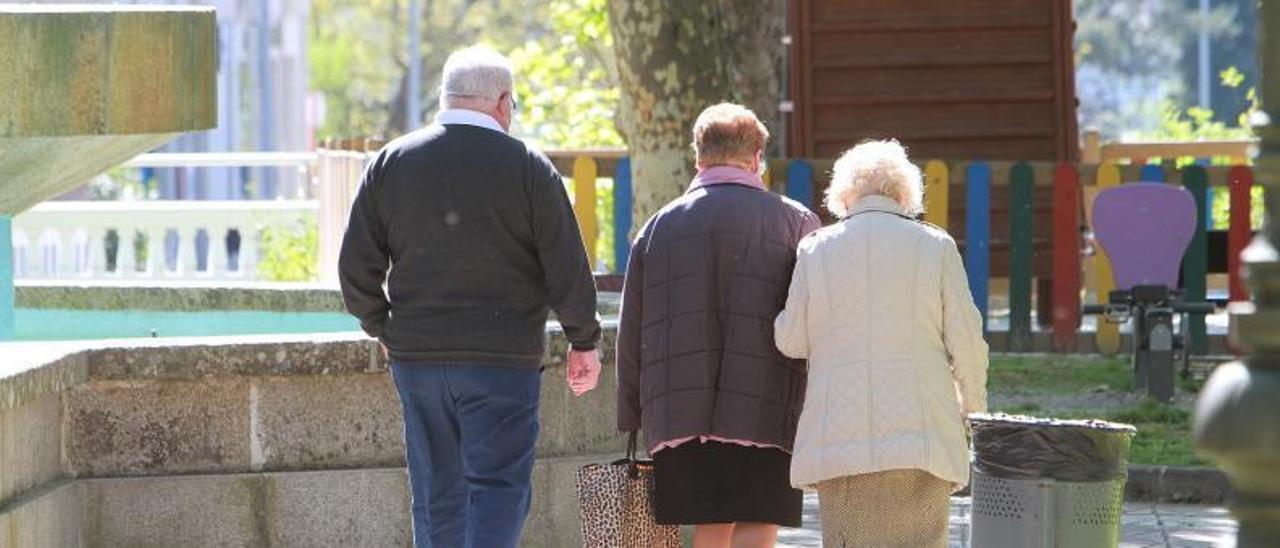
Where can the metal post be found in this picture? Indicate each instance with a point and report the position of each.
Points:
(1236, 422)
(1203, 48)
(413, 107)
(266, 106)
(7, 301)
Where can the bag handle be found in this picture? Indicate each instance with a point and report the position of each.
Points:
(633, 464)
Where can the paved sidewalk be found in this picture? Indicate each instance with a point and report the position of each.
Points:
(1145, 525)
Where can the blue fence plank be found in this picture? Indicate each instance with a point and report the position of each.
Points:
(800, 182)
(622, 215)
(1208, 197)
(977, 249)
(1151, 173)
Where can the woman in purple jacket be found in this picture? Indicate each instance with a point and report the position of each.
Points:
(697, 368)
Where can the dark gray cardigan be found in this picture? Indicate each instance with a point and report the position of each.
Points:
(473, 234)
(707, 276)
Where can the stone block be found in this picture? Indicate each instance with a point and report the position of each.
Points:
(331, 421)
(51, 518)
(339, 508)
(30, 371)
(577, 425)
(1177, 484)
(554, 517)
(292, 297)
(195, 359)
(215, 510)
(30, 446)
(1143, 483)
(87, 88)
(1194, 485)
(158, 427)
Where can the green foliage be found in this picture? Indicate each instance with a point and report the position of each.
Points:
(359, 57)
(141, 251)
(1222, 207)
(290, 253)
(1135, 56)
(355, 63)
(1199, 124)
(566, 79)
(604, 211)
(562, 51)
(1231, 77)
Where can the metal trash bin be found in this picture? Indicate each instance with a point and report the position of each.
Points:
(1047, 483)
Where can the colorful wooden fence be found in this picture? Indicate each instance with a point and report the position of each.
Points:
(1023, 222)
(1026, 222)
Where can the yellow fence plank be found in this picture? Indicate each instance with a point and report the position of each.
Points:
(1108, 336)
(935, 192)
(584, 203)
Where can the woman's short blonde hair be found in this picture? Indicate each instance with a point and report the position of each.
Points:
(727, 133)
(875, 168)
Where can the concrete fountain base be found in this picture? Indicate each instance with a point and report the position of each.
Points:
(247, 441)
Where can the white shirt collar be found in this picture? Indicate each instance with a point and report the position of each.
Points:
(876, 202)
(461, 116)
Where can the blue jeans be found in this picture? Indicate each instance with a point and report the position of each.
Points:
(469, 433)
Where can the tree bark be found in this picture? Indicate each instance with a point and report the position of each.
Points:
(671, 65)
(756, 28)
(674, 59)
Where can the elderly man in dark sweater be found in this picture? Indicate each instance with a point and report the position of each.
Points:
(473, 234)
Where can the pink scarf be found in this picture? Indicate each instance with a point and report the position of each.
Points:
(719, 175)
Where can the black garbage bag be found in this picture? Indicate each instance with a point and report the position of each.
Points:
(1019, 447)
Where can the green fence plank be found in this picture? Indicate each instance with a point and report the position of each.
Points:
(1195, 263)
(1021, 189)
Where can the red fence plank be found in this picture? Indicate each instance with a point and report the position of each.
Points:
(1240, 183)
(1066, 257)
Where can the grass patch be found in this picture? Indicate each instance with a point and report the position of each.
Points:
(1164, 434)
(1058, 374)
(1168, 444)
(1164, 430)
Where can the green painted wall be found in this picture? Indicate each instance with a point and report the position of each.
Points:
(55, 324)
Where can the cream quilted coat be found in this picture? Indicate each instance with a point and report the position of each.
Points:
(880, 306)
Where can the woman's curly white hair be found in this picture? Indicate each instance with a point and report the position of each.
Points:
(875, 168)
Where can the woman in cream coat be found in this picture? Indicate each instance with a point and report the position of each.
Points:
(880, 306)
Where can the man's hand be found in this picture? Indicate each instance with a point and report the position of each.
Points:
(584, 370)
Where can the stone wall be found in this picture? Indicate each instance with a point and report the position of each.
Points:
(187, 296)
(267, 441)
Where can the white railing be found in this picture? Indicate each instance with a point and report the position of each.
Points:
(303, 160)
(183, 239)
(337, 177)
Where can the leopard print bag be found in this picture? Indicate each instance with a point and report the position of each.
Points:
(617, 505)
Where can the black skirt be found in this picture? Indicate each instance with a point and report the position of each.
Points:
(704, 483)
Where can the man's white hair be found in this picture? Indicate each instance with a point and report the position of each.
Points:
(875, 168)
(476, 72)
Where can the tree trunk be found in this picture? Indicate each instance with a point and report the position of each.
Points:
(756, 30)
(671, 65)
